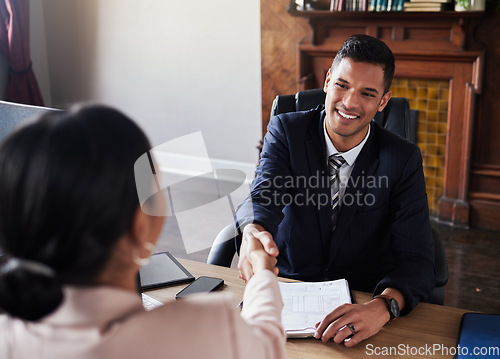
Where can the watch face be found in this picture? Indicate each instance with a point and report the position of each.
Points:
(394, 308)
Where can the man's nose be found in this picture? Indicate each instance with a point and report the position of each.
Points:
(350, 100)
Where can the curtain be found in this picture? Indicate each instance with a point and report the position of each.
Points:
(22, 86)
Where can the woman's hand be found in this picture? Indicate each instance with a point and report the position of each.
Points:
(258, 251)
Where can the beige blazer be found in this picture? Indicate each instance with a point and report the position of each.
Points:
(104, 322)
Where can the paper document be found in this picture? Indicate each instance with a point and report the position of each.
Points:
(307, 303)
(150, 303)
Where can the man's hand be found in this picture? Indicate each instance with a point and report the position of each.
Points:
(249, 251)
(365, 320)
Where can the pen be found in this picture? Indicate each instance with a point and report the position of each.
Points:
(240, 305)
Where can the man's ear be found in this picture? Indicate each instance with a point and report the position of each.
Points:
(327, 81)
(385, 99)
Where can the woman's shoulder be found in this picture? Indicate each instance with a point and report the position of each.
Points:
(189, 327)
(197, 306)
(3, 338)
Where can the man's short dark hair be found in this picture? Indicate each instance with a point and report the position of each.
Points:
(364, 48)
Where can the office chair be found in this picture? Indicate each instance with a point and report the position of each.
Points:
(397, 118)
(390, 118)
(13, 115)
(441, 265)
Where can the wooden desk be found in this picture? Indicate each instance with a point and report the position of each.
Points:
(427, 325)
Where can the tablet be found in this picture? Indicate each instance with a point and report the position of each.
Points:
(479, 336)
(162, 270)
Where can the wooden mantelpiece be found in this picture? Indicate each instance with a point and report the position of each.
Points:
(439, 31)
(426, 46)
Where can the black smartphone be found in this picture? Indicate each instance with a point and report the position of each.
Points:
(201, 285)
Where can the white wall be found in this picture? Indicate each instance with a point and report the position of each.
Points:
(38, 49)
(176, 67)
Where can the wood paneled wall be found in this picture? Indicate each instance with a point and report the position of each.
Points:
(280, 36)
(484, 195)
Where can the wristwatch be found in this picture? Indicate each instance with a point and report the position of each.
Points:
(392, 305)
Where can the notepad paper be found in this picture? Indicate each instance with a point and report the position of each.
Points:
(150, 303)
(306, 303)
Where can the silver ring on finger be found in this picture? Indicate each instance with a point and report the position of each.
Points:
(351, 327)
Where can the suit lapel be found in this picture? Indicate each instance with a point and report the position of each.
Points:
(316, 155)
(365, 166)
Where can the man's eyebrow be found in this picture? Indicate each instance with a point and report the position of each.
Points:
(366, 88)
(371, 90)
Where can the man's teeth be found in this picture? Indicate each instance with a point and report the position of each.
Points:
(347, 116)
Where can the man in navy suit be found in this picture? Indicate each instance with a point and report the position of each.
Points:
(337, 196)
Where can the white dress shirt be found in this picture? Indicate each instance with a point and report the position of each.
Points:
(349, 156)
(105, 322)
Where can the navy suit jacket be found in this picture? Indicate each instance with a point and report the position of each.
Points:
(383, 236)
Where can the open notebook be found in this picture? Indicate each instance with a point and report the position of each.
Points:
(306, 303)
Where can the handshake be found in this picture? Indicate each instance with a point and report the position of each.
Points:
(258, 252)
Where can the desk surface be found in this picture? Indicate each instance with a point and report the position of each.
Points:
(429, 331)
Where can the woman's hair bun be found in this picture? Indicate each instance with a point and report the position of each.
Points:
(27, 293)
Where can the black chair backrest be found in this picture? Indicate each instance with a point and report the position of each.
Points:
(13, 114)
(396, 117)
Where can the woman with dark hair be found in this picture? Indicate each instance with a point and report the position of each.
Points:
(72, 235)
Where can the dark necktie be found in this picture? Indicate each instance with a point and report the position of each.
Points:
(334, 164)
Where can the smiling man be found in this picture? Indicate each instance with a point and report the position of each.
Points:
(337, 196)
(355, 91)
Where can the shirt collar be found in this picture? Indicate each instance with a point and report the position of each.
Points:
(349, 156)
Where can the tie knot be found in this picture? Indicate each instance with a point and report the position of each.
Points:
(335, 162)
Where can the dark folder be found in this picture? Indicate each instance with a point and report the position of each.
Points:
(479, 336)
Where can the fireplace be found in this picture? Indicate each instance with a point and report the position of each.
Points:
(438, 68)
(431, 99)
